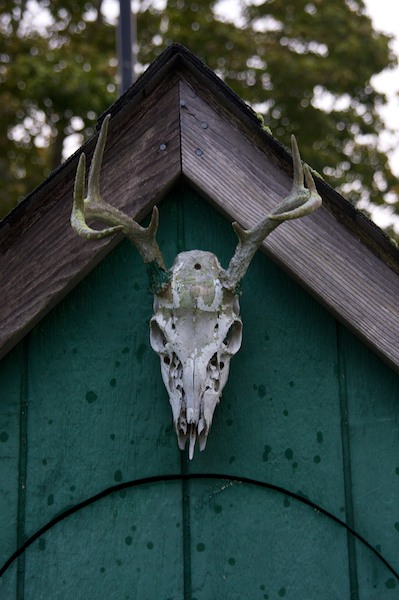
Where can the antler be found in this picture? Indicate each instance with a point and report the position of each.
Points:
(94, 207)
(299, 202)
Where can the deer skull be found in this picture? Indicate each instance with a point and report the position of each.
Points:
(196, 327)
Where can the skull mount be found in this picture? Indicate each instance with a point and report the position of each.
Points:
(196, 327)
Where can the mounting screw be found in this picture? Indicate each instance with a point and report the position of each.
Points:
(199, 152)
(204, 125)
(162, 146)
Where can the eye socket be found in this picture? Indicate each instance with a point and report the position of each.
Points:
(232, 341)
(157, 338)
(197, 266)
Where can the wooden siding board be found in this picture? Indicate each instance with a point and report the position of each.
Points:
(96, 396)
(279, 421)
(323, 255)
(126, 546)
(96, 419)
(372, 391)
(8, 583)
(247, 543)
(11, 373)
(45, 272)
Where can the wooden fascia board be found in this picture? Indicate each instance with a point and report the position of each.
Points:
(245, 180)
(208, 85)
(41, 258)
(215, 141)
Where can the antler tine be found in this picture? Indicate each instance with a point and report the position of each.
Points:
(300, 201)
(94, 207)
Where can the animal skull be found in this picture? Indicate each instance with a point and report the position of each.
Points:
(196, 327)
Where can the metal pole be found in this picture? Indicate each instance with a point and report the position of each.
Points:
(126, 39)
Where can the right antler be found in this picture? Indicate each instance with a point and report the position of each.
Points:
(301, 201)
(94, 207)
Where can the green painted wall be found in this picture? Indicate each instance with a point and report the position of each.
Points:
(307, 408)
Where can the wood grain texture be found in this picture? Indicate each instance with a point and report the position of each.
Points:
(245, 182)
(41, 258)
(335, 254)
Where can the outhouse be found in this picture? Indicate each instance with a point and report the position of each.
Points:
(296, 495)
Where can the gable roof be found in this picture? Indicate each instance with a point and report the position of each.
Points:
(180, 120)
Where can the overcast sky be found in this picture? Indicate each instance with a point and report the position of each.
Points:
(385, 16)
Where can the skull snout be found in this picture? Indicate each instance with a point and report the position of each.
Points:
(195, 373)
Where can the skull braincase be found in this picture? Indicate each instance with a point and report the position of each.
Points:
(195, 329)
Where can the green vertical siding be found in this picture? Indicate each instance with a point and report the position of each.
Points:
(279, 422)
(11, 378)
(307, 408)
(373, 413)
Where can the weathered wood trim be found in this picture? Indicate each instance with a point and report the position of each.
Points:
(41, 258)
(324, 256)
(214, 140)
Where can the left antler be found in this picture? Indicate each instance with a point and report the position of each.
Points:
(300, 201)
(94, 207)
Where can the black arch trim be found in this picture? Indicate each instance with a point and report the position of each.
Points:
(191, 477)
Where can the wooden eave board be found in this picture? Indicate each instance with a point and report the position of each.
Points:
(215, 142)
(246, 181)
(41, 257)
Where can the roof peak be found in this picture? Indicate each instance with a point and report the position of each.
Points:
(180, 121)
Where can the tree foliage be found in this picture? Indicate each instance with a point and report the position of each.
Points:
(306, 64)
